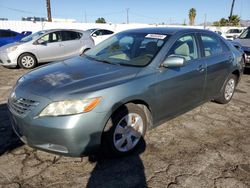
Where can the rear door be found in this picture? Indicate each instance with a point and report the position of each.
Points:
(179, 89)
(52, 47)
(73, 44)
(218, 58)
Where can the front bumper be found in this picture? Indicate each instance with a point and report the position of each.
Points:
(8, 59)
(74, 135)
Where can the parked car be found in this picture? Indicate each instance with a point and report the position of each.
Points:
(107, 98)
(45, 46)
(221, 34)
(244, 41)
(231, 34)
(100, 35)
(8, 36)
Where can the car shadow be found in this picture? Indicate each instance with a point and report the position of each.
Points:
(8, 139)
(111, 172)
(247, 71)
(125, 171)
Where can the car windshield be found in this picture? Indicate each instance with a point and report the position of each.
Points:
(245, 34)
(33, 36)
(129, 49)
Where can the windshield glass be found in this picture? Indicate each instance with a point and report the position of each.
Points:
(131, 49)
(245, 34)
(33, 36)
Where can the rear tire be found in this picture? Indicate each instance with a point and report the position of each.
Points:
(27, 61)
(124, 131)
(228, 90)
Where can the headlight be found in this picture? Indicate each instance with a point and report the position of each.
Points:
(70, 107)
(11, 49)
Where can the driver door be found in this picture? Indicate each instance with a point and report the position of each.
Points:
(181, 88)
(52, 47)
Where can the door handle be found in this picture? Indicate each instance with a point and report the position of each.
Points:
(201, 68)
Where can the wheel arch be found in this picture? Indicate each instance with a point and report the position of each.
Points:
(27, 53)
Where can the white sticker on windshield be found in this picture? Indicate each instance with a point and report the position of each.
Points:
(155, 36)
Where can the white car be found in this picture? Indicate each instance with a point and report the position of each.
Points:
(231, 34)
(100, 34)
(45, 46)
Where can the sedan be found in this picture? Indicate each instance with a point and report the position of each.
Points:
(106, 99)
(45, 46)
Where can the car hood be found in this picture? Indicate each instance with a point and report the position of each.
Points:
(244, 42)
(75, 76)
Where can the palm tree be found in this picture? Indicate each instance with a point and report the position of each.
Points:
(234, 20)
(192, 15)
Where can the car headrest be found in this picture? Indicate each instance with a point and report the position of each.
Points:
(183, 50)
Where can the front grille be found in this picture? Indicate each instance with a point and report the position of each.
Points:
(21, 106)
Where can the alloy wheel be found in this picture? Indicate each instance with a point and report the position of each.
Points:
(128, 132)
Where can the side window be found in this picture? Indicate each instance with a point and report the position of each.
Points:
(184, 47)
(70, 35)
(212, 45)
(98, 33)
(107, 32)
(52, 37)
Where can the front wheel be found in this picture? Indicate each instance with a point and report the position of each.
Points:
(228, 90)
(27, 61)
(124, 131)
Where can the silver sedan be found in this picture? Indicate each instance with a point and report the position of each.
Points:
(45, 46)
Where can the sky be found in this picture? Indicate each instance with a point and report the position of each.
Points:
(114, 11)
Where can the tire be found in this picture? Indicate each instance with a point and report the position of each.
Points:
(120, 137)
(27, 61)
(227, 90)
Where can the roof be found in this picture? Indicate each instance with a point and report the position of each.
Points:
(163, 30)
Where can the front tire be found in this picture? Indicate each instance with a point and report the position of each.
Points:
(124, 131)
(27, 61)
(228, 90)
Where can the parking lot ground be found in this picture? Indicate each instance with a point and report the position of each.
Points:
(206, 147)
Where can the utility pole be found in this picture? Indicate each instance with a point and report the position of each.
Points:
(127, 9)
(85, 16)
(231, 12)
(205, 21)
(48, 11)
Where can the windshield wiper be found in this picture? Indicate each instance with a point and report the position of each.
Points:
(100, 60)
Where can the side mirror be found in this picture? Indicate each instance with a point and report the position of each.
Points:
(94, 35)
(175, 61)
(41, 41)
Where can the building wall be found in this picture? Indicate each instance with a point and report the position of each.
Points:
(20, 26)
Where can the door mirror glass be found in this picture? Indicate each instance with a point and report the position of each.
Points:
(175, 61)
(41, 41)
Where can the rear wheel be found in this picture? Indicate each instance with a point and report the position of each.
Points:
(27, 61)
(228, 90)
(124, 131)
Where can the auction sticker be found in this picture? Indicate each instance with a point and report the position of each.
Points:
(155, 36)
